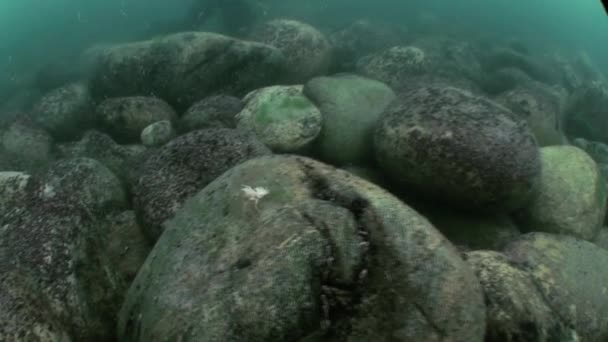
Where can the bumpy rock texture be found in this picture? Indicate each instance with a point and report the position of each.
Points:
(183, 68)
(571, 276)
(516, 308)
(55, 279)
(157, 134)
(65, 111)
(124, 118)
(307, 50)
(217, 111)
(324, 256)
(351, 106)
(28, 148)
(281, 117)
(183, 167)
(454, 146)
(572, 195)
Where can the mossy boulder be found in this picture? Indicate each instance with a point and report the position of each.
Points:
(322, 256)
(124, 118)
(351, 106)
(307, 51)
(541, 106)
(571, 276)
(29, 148)
(516, 308)
(450, 145)
(157, 134)
(571, 196)
(216, 111)
(56, 282)
(183, 167)
(183, 68)
(65, 112)
(281, 117)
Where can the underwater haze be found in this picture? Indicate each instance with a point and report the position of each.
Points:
(303, 170)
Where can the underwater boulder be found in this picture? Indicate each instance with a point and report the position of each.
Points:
(586, 114)
(183, 68)
(216, 111)
(65, 112)
(55, 278)
(13, 187)
(498, 58)
(28, 147)
(284, 248)
(498, 81)
(361, 38)
(87, 182)
(125, 117)
(571, 275)
(395, 65)
(307, 51)
(127, 245)
(123, 160)
(157, 134)
(183, 167)
(281, 117)
(571, 196)
(457, 147)
(541, 107)
(351, 106)
(516, 307)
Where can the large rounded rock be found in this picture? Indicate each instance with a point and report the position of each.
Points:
(124, 161)
(351, 106)
(586, 114)
(183, 167)
(124, 118)
(395, 65)
(572, 195)
(306, 49)
(571, 276)
(361, 38)
(183, 68)
(451, 145)
(541, 106)
(516, 308)
(87, 182)
(217, 111)
(55, 278)
(28, 147)
(13, 186)
(157, 134)
(65, 112)
(284, 248)
(281, 117)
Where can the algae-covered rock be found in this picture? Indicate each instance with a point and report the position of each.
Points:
(65, 112)
(185, 67)
(351, 106)
(87, 182)
(571, 197)
(395, 65)
(56, 283)
(571, 277)
(28, 147)
(457, 147)
(125, 117)
(541, 106)
(281, 117)
(157, 134)
(216, 111)
(306, 252)
(516, 308)
(307, 51)
(184, 166)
